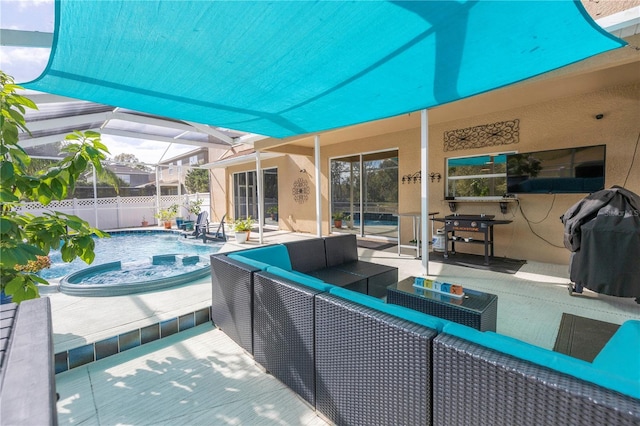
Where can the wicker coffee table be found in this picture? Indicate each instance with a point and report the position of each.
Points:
(476, 309)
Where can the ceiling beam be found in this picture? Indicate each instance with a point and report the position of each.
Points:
(627, 22)
(74, 120)
(152, 121)
(250, 138)
(136, 135)
(212, 132)
(292, 149)
(20, 38)
(47, 98)
(43, 140)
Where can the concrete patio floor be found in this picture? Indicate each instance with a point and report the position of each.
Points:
(200, 376)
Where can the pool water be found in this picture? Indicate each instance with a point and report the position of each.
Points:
(129, 247)
(137, 271)
(123, 278)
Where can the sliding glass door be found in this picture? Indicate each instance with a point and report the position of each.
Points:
(364, 189)
(245, 195)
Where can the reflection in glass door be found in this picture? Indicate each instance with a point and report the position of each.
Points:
(372, 213)
(380, 190)
(270, 196)
(345, 194)
(240, 195)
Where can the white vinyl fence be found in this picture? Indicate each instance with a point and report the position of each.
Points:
(118, 212)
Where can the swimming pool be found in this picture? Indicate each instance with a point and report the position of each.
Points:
(128, 246)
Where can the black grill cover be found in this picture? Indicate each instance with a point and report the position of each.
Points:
(603, 232)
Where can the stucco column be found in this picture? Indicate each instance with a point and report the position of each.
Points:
(316, 160)
(259, 184)
(424, 188)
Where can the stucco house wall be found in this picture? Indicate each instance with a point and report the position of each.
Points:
(555, 110)
(564, 122)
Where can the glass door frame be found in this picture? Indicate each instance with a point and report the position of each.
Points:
(251, 196)
(361, 160)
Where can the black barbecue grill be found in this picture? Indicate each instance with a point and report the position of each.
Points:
(470, 223)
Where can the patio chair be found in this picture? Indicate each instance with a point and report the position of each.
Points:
(219, 235)
(199, 227)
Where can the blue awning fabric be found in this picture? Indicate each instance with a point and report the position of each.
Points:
(282, 68)
(478, 160)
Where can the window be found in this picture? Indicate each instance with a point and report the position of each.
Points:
(193, 160)
(478, 176)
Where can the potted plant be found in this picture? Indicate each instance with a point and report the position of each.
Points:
(145, 222)
(166, 215)
(242, 229)
(338, 217)
(273, 211)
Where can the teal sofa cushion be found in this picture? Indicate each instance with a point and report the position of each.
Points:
(556, 361)
(251, 262)
(300, 278)
(621, 354)
(275, 255)
(395, 310)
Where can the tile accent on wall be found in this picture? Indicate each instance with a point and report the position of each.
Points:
(106, 347)
(203, 315)
(150, 333)
(81, 356)
(186, 322)
(62, 361)
(129, 340)
(168, 327)
(91, 352)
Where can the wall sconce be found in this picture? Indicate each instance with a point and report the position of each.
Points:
(415, 177)
(435, 176)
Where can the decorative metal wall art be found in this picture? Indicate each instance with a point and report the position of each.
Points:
(501, 133)
(301, 191)
(417, 177)
(412, 178)
(435, 175)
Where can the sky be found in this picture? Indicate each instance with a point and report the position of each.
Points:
(26, 64)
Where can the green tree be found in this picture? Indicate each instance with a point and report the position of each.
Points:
(24, 238)
(197, 180)
(382, 181)
(131, 160)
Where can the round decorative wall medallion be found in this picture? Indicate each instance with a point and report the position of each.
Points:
(300, 191)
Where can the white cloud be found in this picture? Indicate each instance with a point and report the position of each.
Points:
(29, 56)
(23, 64)
(28, 15)
(26, 4)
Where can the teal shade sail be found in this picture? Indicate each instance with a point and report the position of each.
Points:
(283, 68)
(478, 160)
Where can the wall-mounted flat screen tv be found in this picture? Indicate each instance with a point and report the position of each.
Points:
(557, 171)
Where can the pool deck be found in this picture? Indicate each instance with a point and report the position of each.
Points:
(200, 376)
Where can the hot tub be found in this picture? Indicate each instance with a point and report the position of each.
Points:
(117, 278)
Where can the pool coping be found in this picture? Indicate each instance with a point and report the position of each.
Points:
(95, 351)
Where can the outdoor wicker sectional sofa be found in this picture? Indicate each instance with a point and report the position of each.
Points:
(359, 360)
